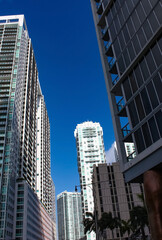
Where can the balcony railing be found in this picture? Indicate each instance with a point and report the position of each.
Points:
(115, 79)
(111, 62)
(126, 130)
(120, 104)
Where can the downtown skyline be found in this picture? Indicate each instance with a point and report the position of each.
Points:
(71, 77)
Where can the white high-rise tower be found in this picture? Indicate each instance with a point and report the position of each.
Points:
(90, 151)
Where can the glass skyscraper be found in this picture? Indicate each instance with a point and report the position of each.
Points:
(130, 43)
(19, 94)
(69, 212)
(90, 151)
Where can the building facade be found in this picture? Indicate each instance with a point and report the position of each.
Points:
(113, 195)
(69, 212)
(19, 94)
(130, 43)
(90, 151)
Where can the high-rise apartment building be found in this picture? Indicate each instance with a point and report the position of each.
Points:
(19, 104)
(129, 37)
(90, 151)
(70, 219)
(113, 195)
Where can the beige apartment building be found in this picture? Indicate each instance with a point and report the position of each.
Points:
(112, 194)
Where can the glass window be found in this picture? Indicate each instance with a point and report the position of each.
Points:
(130, 27)
(150, 62)
(138, 76)
(139, 140)
(121, 18)
(147, 30)
(126, 57)
(140, 13)
(125, 10)
(144, 70)
(158, 14)
(112, 31)
(146, 134)
(139, 107)
(127, 89)
(121, 40)
(153, 129)
(117, 48)
(146, 101)
(146, 6)
(135, 20)
(153, 22)
(131, 51)
(156, 54)
(157, 84)
(133, 114)
(152, 95)
(121, 65)
(133, 82)
(141, 37)
(158, 117)
(136, 44)
(117, 24)
(125, 34)
(130, 5)
(153, 2)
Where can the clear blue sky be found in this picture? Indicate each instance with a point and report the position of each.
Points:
(70, 73)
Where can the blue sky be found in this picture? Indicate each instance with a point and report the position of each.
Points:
(70, 73)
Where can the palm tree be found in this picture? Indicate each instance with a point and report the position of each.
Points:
(125, 226)
(89, 222)
(139, 217)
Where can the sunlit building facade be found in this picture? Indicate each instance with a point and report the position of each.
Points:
(70, 219)
(19, 93)
(90, 151)
(130, 44)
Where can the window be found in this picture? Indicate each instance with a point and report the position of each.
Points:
(157, 84)
(133, 82)
(139, 107)
(147, 30)
(152, 95)
(127, 89)
(133, 114)
(144, 69)
(146, 134)
(153, 129)
(158, 117)
(138, 76)
(139, 140)
(156, 54)
(145, 101)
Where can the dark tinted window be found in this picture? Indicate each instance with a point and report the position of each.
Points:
(153, 129)
(141, 36)
(153, 22)
(133, 82)
(130, 5)
(152, 95)
(146, 134)
(136, 44)
(157, 55)
(150, 62)
(133, 114)
(135, 20)
(139, 107)
(157, 10)
(158, 86)
(138, 76)
(139, 140)
(130, 27)
(125, 10)
(158, 116)
(121, 65)
(146, 6)
(127, 89)
(146, 101)
(144, 69)
(117, 48)
(125, 33)
(147, 30)
(140, 12)
(131, 51)
(126, 57)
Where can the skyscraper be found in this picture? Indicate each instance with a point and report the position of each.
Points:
(90, 151)
(129, 37)
(130, 43)
(19, 96)
(69, 212)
